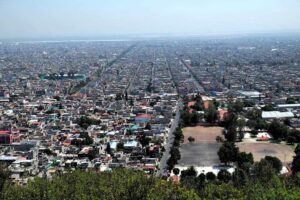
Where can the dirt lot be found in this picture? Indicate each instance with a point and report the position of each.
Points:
(260, 150)
(202, 134)
(202, 152)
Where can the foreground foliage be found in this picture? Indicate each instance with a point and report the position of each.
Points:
(134, 185)
(119, 184)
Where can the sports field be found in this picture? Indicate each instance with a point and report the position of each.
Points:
(202, 134)
(262, 149)
(202, 152)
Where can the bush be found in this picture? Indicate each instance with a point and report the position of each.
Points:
(176, 171)
(219, 139)
(224, 176)
(201, 177)
(191, 139)
(190, 172)
(210, 176)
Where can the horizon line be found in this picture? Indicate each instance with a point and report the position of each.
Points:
(145, 36)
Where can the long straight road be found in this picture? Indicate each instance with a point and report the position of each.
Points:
(99, 72)
(196, 81)
(129, 85)
(166, 155)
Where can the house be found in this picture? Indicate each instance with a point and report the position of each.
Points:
(142, 119)
(130, 145)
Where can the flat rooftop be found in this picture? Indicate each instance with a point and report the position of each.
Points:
(276, 114)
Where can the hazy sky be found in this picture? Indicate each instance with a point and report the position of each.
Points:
(57, 18)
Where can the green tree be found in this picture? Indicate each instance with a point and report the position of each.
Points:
(195, 117)
(186, 117)
(4, 175)
(291, 100)
(126, 95)
(296, 164)
(215, 103)
(243, 158)
(87, 140)
(121, 184)
(236, 106)
(290, 140)
(241, 123)
(253, 114)
(278, 130)
(108, 149)
(228, 152)
(163, 190)
(119, 96)
(131, 103)
(296, 179)
(239, 178)
(175, 153)
(230, 120)
(263, 171)
(224, 176)
(222, 191)
(178, 135)
(202, 177)
(120, 146)
(248, 103)
(268, 107)
(171, 162)
(148, 126)
(85, 122)
(210, 176)
(176, 171)
(211, 114)
(191, 139)
(275, 163)
(190, 172)
(200, 181)
(144, 140)
(198, 106)
(230, 134)
(297, 149)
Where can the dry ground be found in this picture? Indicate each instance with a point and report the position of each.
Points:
(202, 152)
(202, 134)
(262, 149)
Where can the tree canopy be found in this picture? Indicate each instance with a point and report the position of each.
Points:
(211, 114)
(228, 152)
(120, 184)
(124, 184)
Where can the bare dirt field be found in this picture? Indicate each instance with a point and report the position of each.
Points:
(202, 134)
(260, 150)
(202, 152)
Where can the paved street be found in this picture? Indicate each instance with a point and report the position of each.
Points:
(98, 74)
(166, 155)
(197, 83)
